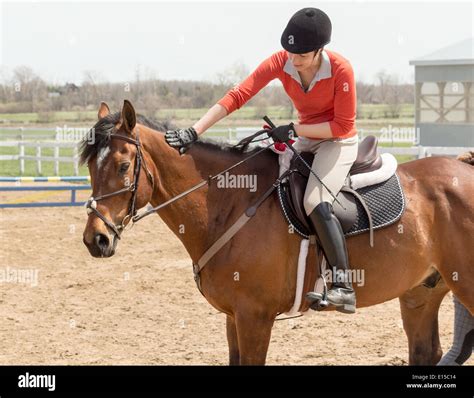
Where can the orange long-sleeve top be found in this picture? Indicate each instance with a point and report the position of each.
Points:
(331, 96)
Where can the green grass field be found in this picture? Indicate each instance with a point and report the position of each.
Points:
(11, 168)
(369, 112)
(370, 117)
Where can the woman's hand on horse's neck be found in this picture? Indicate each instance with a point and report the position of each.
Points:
(173, 174)
(202, 216)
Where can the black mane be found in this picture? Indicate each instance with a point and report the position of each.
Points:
(99, 137)
(219, 147)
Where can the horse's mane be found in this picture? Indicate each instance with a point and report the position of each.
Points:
(98, 137)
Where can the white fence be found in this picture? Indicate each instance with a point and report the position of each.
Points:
(390, 135)
(229, 135)
(385, 135)
(38, 157)
(26, 133)
(424, 151)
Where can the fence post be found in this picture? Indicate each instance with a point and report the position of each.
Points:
(56, 160)
(421, 152)
(38, 160)
(22, 158)
(76, 160)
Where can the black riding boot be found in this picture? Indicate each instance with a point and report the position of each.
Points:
(333, 243)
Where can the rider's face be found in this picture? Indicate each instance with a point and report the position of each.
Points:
(305, 61)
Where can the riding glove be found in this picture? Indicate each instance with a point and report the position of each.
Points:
(283, 133)
(182, 138)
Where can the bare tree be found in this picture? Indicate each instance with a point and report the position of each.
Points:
(383, 79)
(393, 99)
(92, 80)
(29, 88)
(232, 75)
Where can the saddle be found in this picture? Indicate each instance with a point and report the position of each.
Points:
(354, 208)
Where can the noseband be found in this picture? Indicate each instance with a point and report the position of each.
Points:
(91, 204)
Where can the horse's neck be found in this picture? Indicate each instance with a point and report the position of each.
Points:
(191, 217)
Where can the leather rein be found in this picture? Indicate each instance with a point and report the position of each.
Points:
(91, 204)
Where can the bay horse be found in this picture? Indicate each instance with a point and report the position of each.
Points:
(435, 233)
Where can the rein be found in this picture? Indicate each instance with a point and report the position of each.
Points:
(91, 204)
(245, 142)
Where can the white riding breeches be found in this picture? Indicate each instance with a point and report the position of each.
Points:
(333, 159)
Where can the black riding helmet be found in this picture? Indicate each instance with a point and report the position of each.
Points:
(308, 29)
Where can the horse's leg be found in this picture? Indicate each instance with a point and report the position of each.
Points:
(459, 277)
(455, 236)
(253, 332)
(419, 307)
(234, 355)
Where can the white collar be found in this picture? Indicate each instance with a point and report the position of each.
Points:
(324, 71)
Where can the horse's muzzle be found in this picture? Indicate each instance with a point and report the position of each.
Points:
(101, 245)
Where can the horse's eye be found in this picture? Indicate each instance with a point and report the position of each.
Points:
(124, 167)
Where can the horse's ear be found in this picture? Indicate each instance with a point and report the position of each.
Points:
(128, 118)
(103, 110)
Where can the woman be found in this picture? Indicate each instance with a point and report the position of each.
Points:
(321, 85)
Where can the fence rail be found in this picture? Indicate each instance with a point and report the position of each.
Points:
(39, 158)
(231, 135)
(60, 134)
(424, 151)
(46, 179)
(72, 202)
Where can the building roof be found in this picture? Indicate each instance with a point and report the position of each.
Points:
(460, 53)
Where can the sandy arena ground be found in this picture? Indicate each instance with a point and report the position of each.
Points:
(142, 307)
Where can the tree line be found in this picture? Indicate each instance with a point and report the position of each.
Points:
(25, 91)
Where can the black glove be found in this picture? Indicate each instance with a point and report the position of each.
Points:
(283, 133)
(181, 139)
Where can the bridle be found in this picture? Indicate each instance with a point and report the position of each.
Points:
(91, 204)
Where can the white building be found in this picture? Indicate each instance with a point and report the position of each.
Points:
(444, 96)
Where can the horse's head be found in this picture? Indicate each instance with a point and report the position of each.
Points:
(121, 180)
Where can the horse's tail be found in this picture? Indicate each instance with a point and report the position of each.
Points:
(467, 157)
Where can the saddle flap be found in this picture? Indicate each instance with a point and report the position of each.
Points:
(297, 164)
(367, 160)
(298, 182)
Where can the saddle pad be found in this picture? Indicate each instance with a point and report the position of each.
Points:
(385, 201)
